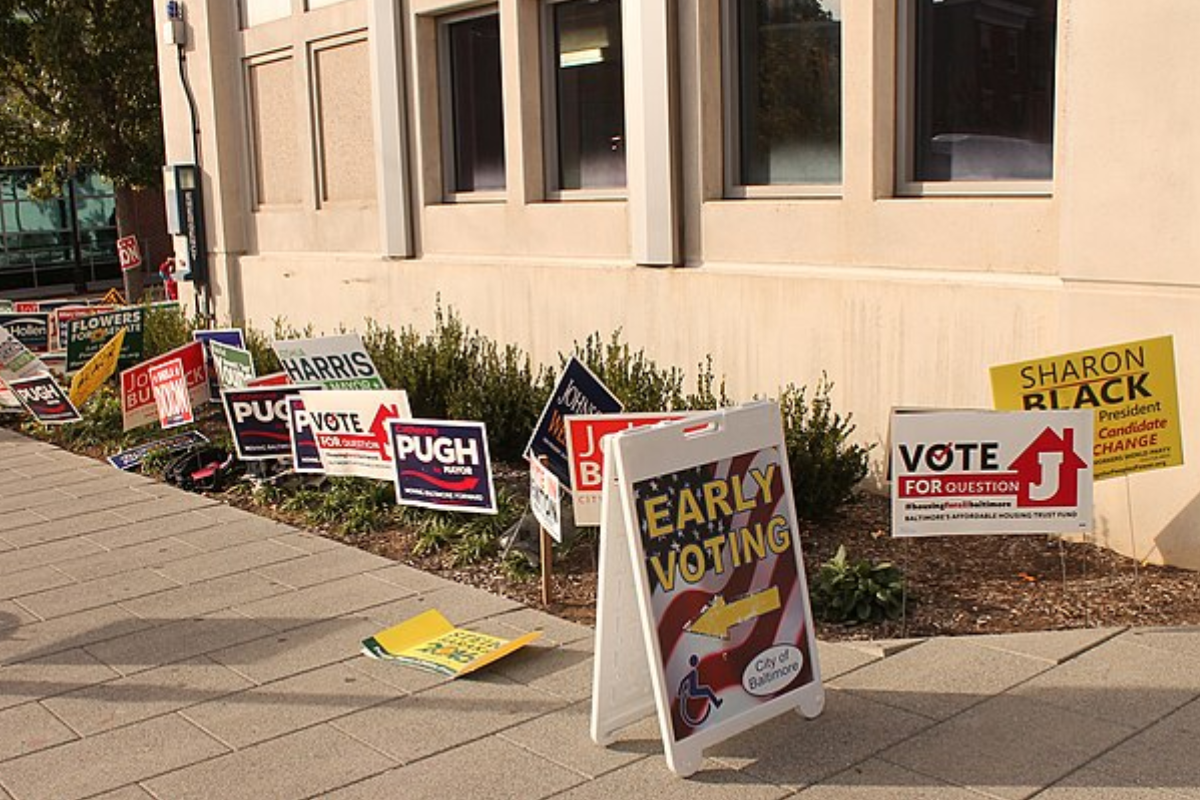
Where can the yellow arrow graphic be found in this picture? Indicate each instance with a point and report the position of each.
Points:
(719, 616)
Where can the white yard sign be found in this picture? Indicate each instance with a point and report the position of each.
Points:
(963, 472)
(350, 428)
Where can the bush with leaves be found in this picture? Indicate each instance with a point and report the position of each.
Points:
(455, 372)
(857, 591)
(825, 465)
(641, 384)
(166, 327)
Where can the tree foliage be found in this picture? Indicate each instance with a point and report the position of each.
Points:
(79, 88)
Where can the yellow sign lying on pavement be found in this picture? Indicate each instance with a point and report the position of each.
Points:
(1131, 388)
(97, 370)
(429, 642)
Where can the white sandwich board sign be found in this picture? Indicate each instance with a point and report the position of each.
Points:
(703, 610)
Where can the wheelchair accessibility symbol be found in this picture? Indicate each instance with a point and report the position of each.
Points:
(696, 700)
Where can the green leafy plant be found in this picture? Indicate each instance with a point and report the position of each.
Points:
(857, 591)
(165, 329)
(259, 345)
(455, 372)
(825, 465)
(641, 384)
(469, 538)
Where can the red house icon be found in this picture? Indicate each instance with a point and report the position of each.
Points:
(1048, 470)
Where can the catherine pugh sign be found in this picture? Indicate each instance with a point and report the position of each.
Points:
(351, 430)
(45, 399)
(259, 421)
(137, 396)
(578, 392)
(84, 335)
(134, 456)
(31, 329)
(169, 385)
(228, 336)
(97, 370)
(335, 362)
(585, 436)
(443, 465)
(233, 365)
(1130, 388)
(963, 472)
(306, 458)
(705, 512)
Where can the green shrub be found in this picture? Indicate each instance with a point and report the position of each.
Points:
(165, 329)
(824, 463)
(858, 591)
(641, 384)
(469, 538)
(348, 507)
(263, 355)
(455, 372)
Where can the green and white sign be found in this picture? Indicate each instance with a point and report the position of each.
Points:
(334, 362)
(233, 365)
(84, 336)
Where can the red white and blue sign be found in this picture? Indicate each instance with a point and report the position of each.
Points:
(259, 420)
(963, 472)
(168, 381)
(577, 392)
(45, 399)
(443, 465)
(306, 456)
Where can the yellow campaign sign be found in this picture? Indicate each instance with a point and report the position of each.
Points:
(428, 641)
(114, 297)
(97, 370)
(1131, 388)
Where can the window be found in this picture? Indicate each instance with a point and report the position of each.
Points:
(981, 97)
(586, 145)
(472, 104)
(256, 12)
(784, 89)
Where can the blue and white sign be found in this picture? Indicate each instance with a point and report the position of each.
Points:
(578, 392)
(443, 465)
(306, 456)
(134, 456)
(259, 421)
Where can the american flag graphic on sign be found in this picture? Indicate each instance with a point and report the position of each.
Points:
(721, 558)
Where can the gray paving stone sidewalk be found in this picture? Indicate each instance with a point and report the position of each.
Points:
(155, 644)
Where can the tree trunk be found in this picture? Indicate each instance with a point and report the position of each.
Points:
(134, 279)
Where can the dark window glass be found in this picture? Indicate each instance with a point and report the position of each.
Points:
(985, 90)
(589, 94)
(789, 85)
(477, 105)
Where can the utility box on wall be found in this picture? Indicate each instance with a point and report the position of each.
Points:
(185, 217)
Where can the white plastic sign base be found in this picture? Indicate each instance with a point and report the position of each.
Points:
(703, 610)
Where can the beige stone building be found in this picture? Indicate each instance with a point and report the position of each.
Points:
(900, 193)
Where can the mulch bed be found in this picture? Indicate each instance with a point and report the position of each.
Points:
(957, 585)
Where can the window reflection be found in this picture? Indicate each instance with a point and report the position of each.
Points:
(985, 90)
(789, 89)
(589, 94)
